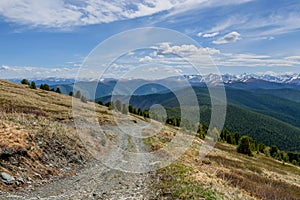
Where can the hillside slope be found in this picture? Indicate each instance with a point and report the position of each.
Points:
(38, 141)
(39, 145)
(225, 174)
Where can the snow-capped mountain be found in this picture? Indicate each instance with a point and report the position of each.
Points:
(245, 77)
(293, 80)
(213, 79)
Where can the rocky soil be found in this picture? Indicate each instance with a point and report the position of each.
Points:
(96, 181)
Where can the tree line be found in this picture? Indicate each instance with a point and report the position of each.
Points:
(247, 145)
(125, 109)
(78, 95)
(46, 87)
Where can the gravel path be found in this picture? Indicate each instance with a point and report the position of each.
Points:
(98, 181)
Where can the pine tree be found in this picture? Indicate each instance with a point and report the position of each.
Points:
(108, 104)
(71, 94)
(46, 87)
(130, 108)
(25, 82)
(78, 94)
(124, 109)
(274, 151)
(118, 105)
(244, 146)
(83, 99)
(139, 112)
(58, 90)
(32, 85)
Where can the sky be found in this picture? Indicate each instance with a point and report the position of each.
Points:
(52, 38)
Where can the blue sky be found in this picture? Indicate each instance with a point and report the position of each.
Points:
(52, 37)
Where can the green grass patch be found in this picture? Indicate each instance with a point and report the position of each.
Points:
(175, 183)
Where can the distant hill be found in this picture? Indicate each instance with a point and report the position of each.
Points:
(106, 87)
(50, 81)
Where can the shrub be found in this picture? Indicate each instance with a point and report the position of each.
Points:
(78, 94)
(83, 99)
(294, 162)
(244, 146)
(46, 87)
(124, 109)
(58, 90)
(274, 151)
(32, 85)
(25, 82)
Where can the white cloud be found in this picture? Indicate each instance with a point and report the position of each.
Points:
(4, 67)
(210, 35)
(167, 49)
(200, 56)
(254, 60)
(212, 50)
(293, 58)
(228, 23)
(184, 50)
(65, 13)
(228, 38)
(262, 26)
(199, 34)
(203, 4)
(10, 72)
(153, 69)
(146, 59)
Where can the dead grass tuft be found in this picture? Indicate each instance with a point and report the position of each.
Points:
(259, 186)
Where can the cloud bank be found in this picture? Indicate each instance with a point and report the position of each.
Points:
(66, 13)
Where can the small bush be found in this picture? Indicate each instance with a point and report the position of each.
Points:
(33, 85)
(294, 162)
(244, 146)
(58, 90)
(78, 94)
(83, 99)
(45, 87)
(25, 82)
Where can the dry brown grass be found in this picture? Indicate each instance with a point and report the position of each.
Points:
(233, 175)
(37, 136)
(15, 140)
(260, 186)
(17, 98)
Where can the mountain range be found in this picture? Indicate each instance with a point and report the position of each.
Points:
(291, 78)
